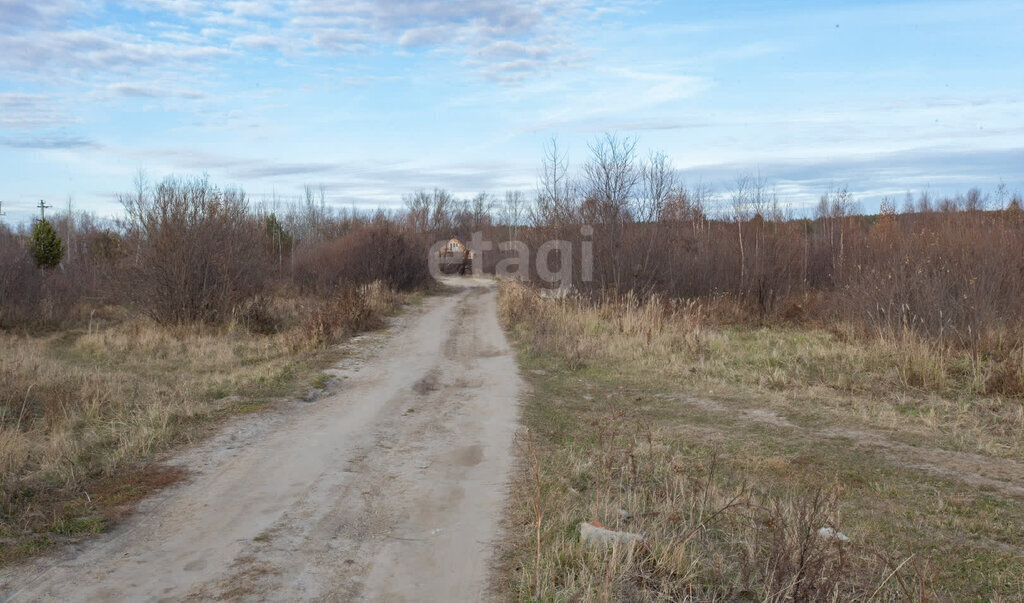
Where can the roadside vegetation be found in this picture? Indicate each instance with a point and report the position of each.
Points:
(122, 340)
(728, 448)
(736, 384)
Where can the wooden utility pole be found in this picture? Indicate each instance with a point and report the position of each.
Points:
(42, 209)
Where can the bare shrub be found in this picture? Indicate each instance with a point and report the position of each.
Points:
(21, 283)
(795, 561)
(31, 298)
(257, 316)
(378, 252)
(193, 252)
(348, 310)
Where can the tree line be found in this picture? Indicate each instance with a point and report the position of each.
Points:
(949, 268)
(184, 250)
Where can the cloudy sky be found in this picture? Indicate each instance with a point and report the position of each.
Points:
(376, 98)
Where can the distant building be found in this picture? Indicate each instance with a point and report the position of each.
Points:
(455, 249)
(456, 257)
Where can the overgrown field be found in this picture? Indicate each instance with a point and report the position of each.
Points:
(83, 411)
(729, 447)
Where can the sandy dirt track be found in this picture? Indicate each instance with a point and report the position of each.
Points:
(391, 488)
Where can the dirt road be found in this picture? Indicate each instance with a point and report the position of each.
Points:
(389, 489)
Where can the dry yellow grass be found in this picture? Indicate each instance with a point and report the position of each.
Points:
(80, 407)
(924, 390)
(886, 440)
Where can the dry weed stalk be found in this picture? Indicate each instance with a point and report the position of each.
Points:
(537, 502)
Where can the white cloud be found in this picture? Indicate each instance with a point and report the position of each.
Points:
(144, 91)
(52, 142)
(436, 35)
(264, 42)
(20, 15)
(366, 80)
(80, 53)
(251, 8)
(341, 40)
(593, 101)
(178, 7)
(505, 49)
(29, 112)
(501, 40)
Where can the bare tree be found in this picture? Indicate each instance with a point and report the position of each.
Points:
(740, 198)
(417, 206)
(513, 210)
(843, 205)
(480, 208)
(908, 203)
(699, 197)
(832, 208)
(556, 192)
(761, 198)
(658, 184)
(442, 206)
(611, 178)
(924, 204)
(975, 201)
(1001, 194)
(751, 200)
(435, 212)
(659, 181)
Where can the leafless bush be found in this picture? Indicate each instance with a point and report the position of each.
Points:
(21, 283)
(32, 298)
(349, 309)
(378, 252)
(193, 252)
(794, 560)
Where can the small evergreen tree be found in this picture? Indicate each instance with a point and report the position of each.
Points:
(46, 247)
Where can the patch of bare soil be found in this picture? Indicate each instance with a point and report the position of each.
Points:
(1003, 475)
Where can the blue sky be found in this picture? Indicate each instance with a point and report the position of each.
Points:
(376, 98)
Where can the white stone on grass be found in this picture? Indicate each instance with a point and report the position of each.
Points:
(592, 532)
(832, 534)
